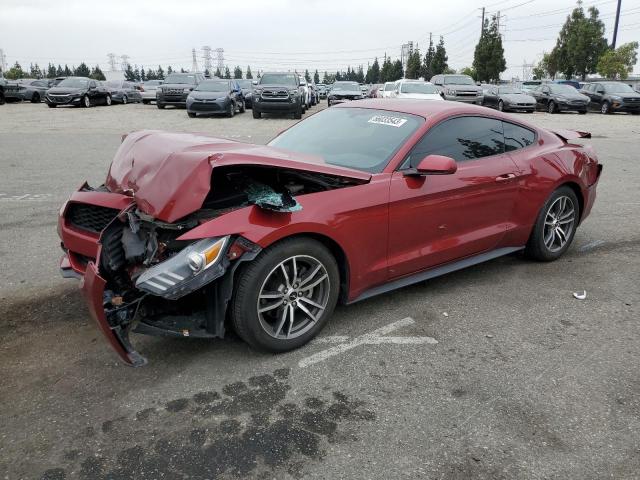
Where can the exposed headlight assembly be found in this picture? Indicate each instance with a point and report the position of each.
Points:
(188, 270)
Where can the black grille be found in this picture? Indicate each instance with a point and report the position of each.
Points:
(90, 217)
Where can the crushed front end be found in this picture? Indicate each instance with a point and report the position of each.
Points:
(138, 276)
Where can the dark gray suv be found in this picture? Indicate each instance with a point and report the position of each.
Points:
(460, 88)
(176, 88)
(608, 97)
(278, 93)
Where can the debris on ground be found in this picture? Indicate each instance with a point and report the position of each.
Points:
(580, 296)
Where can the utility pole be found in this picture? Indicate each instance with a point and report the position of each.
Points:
(220, 59)
(112, 61)
(3, 61)
(124, 61)
(482, 23)
(207, 58)
(615, 28)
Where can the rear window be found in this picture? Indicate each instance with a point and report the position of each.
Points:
(517, 137)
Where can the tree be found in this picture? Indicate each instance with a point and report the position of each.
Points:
(67, 71)
(373, 72)
(325, 77)
(386, 72)
(316, 76)
(217, 73)
(580, 43)
(427, 63)
(15, 72)
(249, 75)
(82, 70)
(439, 63)
(143, 75)
(397, 71)
(547, 67)
(160, 73)
(469, 71)
(227, 73)
(307, 76)
(488, 57)
(414, 65)
(169, 70)
(51, 71)
(97, 74)
(129, 74)
(237, 72)
(359, 76)
(35, 72)
(618, 63)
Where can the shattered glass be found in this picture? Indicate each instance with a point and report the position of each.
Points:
(266, 197)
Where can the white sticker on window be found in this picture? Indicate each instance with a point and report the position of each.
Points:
(387, 120)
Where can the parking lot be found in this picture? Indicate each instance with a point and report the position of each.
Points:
(493, 372)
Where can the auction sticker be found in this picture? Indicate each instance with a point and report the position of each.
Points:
(388, 120)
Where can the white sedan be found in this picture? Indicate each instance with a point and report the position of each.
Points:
(417, 89)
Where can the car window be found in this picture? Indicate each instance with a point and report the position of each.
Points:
(517, 137)
(462, 138)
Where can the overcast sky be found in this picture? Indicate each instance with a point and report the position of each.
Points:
(283, 34)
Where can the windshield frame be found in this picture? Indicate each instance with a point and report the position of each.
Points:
(181, 76)
(607, 88)
(355, 85)
(561, 88)
(270, 76)
(420, 84)
(72, 82)
(447, 78)
(224, 83)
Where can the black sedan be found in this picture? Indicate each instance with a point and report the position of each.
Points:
(247, 92)
(124, 92)
(215, 97)
(555, 97)
(508, 99)
(79, 92)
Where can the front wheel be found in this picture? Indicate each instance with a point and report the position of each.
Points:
(582, 112)
(146, 102)
(160, 105)
(191, 114)
(51, 105)
(243, 108)
(298, 113)
(551, 108)
(86, 101)
(555, 226)
(285, 296)
(35, 98)
(125, 100)
(107, 100)
(232, 110)
(501, 106)
(256, 112)
(605, 108)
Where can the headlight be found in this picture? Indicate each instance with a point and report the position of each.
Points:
(293, 93)
(188, 270)
(187, 90)
(257, 92)
(450, 91)
(616, 97)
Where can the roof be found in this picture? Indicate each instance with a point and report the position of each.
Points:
(423, 108)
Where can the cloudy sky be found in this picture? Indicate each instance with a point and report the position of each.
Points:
(283, 34)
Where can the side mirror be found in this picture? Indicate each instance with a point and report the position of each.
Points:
(255, 82)
(478, 84)
(434, 165)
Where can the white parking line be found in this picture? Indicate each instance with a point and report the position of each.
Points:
(373, 338)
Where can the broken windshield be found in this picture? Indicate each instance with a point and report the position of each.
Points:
(359, 138)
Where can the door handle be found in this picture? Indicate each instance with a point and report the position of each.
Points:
(505, 177)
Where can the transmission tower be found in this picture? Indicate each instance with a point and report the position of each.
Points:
(207, 58)
(194, 65)
(220, 58)
(124, 62)
(112, 61)
(3, 61)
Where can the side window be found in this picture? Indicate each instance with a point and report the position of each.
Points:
(517, 137)
(92, 85)
(463, 138)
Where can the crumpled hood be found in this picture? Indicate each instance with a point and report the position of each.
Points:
(169, 174)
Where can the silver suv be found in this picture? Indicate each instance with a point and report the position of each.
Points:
(460, 88)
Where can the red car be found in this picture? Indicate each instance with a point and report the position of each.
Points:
(192, 234)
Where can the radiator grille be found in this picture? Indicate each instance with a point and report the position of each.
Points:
(90, 217)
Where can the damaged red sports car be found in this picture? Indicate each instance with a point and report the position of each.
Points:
(191, 235)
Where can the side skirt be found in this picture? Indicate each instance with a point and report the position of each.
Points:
(435, 272)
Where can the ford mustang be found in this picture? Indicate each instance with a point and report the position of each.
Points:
(192, 235)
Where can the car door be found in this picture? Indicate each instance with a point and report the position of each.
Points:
(441, 218)
(597, 96)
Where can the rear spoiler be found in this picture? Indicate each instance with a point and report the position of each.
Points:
(567, 135)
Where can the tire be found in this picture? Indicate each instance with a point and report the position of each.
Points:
(540, 250)
(263, 273)
(160, 106)
(582, 112)
(2, 100)
(146, 102)
(635, 113)
(86, 101)
(51, 105)
(243, 108)
(551, 107)
(298, 113)
(256, 112)
(605, 108)
(107, 100)
(232, 110)
(35, 98)
(328, 103)
(125, 100)
(501, 106)
(191, 114)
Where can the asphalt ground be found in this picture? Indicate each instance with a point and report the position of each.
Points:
(494, 372)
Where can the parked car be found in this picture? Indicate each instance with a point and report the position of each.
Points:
(508, 99)
(554, 97)
(572, 83)
(149, 89)
(609, 97)
(365, 91)
(417, 90)
(272, 237)
(124, 92)
(388, 90)
(247, 91)
(79, 92)
(322, 90)
(176, 88)
(34, 89)
(344, 92)
(277, 92)
(12, 91)
(459, 88)
(307, 93)
(529, 85)
(216, 97)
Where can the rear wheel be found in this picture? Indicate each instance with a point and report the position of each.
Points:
(125, 100)
(582, 112)
(501, 106)
(555, 226)
(285, 296)
(2, 100)
(605, 108)
(243, 108)
(35, 98)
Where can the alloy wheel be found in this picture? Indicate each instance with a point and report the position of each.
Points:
(293, 297)
(124, 100)
(559, 223)
(108, 100)
(86, 101)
